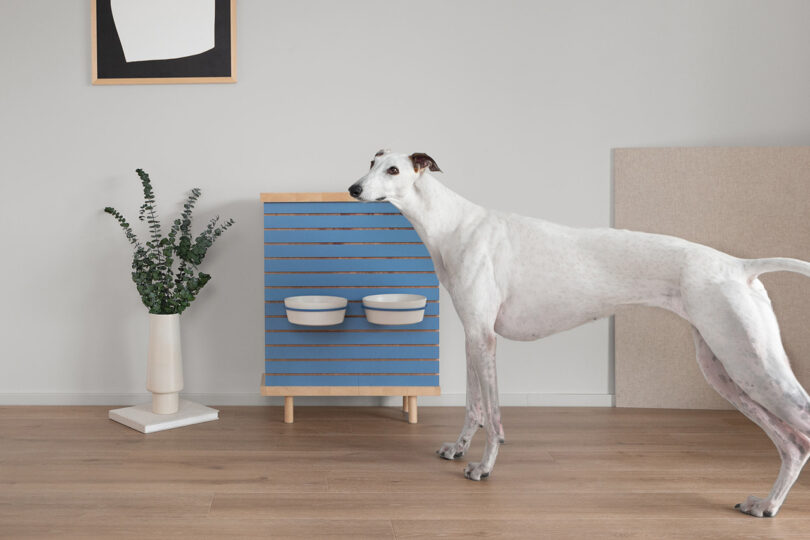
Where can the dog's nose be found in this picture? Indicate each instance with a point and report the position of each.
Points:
(355, 190)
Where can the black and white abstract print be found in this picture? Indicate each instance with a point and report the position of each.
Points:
(163, 39)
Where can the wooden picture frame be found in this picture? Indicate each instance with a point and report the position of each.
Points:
(110, 67)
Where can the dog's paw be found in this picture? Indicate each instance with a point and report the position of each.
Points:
(450, 451)
(754, 506)
(476, 471)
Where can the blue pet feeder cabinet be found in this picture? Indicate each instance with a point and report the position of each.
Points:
(330, 244)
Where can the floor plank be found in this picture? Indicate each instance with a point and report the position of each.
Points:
(603, 528)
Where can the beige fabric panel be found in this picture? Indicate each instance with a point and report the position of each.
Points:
(749, 202)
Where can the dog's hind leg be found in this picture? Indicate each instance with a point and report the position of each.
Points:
(741, 355)
(474, 418)
(793, 446)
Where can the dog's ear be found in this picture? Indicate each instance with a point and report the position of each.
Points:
(422, 161)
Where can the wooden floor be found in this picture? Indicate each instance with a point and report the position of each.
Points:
(365, 472)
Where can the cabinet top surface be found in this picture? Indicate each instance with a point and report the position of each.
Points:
(342, 196)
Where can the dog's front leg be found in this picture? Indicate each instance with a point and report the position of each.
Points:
(473, 419)
(481, 358)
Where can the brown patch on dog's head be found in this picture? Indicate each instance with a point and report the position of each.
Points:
(378, 154)
(422, 161)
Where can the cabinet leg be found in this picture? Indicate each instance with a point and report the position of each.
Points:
(404, 403)
(288, 409)
(412, 417)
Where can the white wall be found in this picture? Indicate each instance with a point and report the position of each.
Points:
(519, 102)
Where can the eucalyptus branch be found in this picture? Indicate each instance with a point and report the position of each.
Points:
(164, 289)
(133, 239)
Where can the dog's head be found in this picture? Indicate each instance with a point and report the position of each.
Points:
(392, 176)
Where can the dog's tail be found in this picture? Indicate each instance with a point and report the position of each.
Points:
(755, 267)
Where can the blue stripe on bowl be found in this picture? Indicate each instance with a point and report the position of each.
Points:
(325, 309)
(392, 309)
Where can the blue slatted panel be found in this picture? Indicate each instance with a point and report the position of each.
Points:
(351, 250)
(330, 208)
(351, 280)
(352, 323)
(291, 352)
(305, 236)
(351, 380)
(351, 366)
(354, 308)
(352, 293)
(417, 337)
(368, 221)
(348, 265)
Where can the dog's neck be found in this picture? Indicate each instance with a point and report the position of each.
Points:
(435, 210)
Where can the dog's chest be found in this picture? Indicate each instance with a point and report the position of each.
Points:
(539, 314)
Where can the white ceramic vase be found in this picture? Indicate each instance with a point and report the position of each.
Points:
(164, 367)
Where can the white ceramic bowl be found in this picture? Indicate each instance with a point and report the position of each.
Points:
(315, 310)
(394, 308)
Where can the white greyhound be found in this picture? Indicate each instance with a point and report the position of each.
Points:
(524, 278)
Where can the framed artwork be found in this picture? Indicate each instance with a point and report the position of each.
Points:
(163, 41)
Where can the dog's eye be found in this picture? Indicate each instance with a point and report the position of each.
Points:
(392, 170)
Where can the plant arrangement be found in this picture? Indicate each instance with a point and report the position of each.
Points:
(164, 268)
